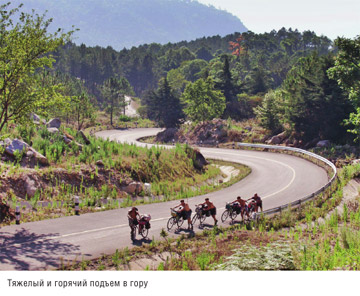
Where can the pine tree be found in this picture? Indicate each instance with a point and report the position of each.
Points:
(114, 91)
(164, 106)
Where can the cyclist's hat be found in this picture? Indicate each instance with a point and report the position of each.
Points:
(207, 198)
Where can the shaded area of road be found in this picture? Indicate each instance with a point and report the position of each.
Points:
(23, 250)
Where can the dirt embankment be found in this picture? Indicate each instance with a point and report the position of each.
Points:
(52, 180)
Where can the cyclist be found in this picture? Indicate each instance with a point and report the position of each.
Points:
(211, 208)
(258, 202)
(243, 206)
(134, 217)
(185, 211)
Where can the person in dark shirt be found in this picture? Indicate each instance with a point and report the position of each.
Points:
(258, 202)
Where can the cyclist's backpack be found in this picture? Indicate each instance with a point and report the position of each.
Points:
(147, 225)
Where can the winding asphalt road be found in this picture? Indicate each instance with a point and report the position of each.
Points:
(277, 178)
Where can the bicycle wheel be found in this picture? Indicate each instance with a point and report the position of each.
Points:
(144, 232)
(225, 215)
(251, 215)
(170, 223)
(202, 218)
(180, 221)
(233, 215)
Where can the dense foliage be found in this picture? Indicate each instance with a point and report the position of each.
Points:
(309, 103)
(265, 61)
(202, 101)
(346, 71)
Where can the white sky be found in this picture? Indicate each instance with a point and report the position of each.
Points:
(331, 18)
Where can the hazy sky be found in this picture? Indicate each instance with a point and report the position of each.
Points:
(332, 18)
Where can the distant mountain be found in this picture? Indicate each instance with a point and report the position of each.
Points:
(127, 23)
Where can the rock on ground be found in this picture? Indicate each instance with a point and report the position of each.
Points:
(275, 140)
(35, 117)
(324, 143)
(53, 130)
(15, 145)
(134, 188)
(30, 186)
(39, 158)
(55, 122)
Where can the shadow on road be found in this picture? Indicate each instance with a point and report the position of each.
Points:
(139, 242)
(24, 250)
(205, 226)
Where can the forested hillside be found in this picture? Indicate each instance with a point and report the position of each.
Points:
(127, 23)
(262, 65)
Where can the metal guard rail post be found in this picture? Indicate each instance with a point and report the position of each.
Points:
(300, 151)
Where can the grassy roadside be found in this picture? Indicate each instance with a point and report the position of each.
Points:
(92, 200)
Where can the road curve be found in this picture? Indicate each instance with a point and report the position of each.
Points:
(277, 178)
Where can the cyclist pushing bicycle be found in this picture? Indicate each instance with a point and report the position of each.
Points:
(134, 217)
(257, 202)
(243, 206)
(185, 211)
(209, 206)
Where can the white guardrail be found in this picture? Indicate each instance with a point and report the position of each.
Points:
(304, 153)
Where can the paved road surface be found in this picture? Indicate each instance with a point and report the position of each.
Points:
(277, 178)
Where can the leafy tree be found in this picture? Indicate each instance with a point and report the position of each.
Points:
(269, 112)
(174, 57)
(243, 108)
(177, 80)
(25, 48)
(164, 106)
(114, 91)
(314, 106)
(83, 109)
(194, 69)
(237, 46)
(258, 81)
(346, 71)
(202, 101)
(58, 88)
(76, 105)
(204, 53)
(189, 71)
